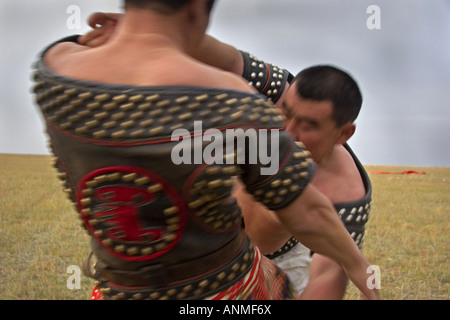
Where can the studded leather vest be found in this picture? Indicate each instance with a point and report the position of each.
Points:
(356, 214)
(150, 171)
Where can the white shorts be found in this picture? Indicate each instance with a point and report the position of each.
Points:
(295, 263)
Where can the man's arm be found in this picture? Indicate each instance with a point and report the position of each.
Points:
(313, 221)
(262, 225)
(220, 55)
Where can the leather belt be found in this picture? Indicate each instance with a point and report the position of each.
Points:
(292, 242)
(197, 287)
(157, 276)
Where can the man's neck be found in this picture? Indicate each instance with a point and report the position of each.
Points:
(338, 177)
(328, 161)
(150, 26)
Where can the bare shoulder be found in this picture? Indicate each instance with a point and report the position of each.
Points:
(60, 53)
(237, 83)
(209, 76)
(351, 175)
(138, 66)
(345, 159)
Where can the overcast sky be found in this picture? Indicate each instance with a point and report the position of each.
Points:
(403, 68)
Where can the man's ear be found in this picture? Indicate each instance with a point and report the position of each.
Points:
(347, 131)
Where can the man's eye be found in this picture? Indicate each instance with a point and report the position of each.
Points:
(308, 126)
(305, 127)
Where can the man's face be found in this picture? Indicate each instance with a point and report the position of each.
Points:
(310, 122)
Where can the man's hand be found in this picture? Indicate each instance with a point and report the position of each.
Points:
(103, 25)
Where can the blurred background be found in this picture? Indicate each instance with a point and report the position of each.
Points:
(398, 51)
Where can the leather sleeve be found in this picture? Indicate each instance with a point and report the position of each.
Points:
(267, 78)
(279, 189)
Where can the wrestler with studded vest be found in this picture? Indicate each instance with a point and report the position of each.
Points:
(161, 230)
(321, 85)
(321, 106)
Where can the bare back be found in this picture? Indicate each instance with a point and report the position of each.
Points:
(138, 65)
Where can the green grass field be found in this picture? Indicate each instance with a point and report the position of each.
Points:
(41, 237)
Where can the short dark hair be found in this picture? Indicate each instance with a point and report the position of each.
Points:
(174, 5)
(325, 82)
